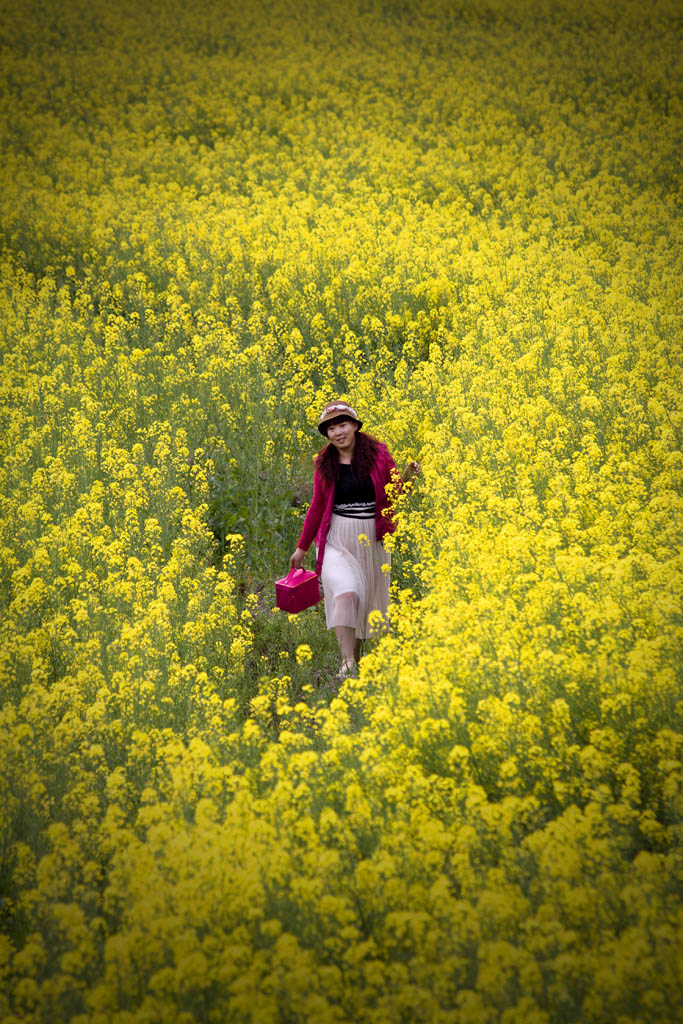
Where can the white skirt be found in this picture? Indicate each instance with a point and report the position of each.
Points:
(352, 565)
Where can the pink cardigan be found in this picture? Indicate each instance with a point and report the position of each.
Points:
(317, 521)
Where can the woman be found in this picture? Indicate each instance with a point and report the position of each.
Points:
(348, 517)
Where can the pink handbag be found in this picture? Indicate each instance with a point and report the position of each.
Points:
(296, 591)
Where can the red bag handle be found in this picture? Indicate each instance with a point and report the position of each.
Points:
(292, 572)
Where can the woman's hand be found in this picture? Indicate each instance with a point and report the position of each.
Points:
(411, 470)
(296, 559)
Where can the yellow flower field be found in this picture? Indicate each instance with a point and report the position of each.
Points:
(466, 219)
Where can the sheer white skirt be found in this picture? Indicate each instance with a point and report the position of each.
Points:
(351, 575)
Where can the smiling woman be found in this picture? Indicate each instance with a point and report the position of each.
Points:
(349, 516)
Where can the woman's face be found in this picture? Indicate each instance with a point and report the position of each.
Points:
(341, 431)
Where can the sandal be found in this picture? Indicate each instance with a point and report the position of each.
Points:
(347, 669)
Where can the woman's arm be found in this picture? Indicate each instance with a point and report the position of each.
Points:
(311, 522)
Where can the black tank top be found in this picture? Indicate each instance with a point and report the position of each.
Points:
(354, 498)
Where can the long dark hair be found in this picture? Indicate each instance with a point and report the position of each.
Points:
(363, 459)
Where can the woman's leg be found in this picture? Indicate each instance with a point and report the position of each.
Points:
(346, 636)
(346, 607)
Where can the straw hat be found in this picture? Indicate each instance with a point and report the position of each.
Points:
(334, 409)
